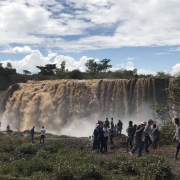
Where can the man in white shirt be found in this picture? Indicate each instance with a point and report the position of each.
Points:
(177, 136)
(43, 131)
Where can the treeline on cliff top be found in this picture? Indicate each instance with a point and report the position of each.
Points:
(9, 75)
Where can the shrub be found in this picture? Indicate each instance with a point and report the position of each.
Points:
(27, 149)
(93, 172)
(7, 148)
(155, 168)
(37, 165)
(115, 162)
(64, 173)
(166, 134)
(129, 167)
(53, 148)
(43, 154)
(4, 157)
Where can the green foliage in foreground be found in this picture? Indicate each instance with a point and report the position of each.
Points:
(55, 161)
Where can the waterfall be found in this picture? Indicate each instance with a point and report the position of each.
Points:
(63, 106)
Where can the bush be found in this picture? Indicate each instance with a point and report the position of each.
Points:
(27, 149)
(43, 154)
(129, 167)
(7, 148)
(93, 172)
(155, 168)
(53, 147)
(167, 134)
(115, 162)
(4, 157)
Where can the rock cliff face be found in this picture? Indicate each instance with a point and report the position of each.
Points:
(57, 103)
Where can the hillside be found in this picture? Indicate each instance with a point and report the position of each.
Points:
(63, 157)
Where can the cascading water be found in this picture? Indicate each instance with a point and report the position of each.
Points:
(73, 106)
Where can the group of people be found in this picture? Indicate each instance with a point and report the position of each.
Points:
(43, 131)
(140, 137)
(103, 131)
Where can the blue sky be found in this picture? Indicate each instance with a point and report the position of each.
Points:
(133, 34)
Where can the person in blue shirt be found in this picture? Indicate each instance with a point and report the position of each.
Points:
(101, 137)
(32, 134)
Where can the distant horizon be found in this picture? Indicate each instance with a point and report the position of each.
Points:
(136, 34)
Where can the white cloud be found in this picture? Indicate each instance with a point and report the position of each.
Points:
(45, 23)
(176, 69)
(160, 53)
(129, 66)
(30, 61)
(71, 63)
(18, 50)
(35, 58)
(130, 59)
(175, 49)
(146, 71)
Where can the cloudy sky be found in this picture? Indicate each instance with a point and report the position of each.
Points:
(142, 34)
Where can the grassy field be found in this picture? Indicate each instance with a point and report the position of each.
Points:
(67, 158)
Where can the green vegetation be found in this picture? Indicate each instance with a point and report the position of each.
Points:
(22, 160)
(167, 113)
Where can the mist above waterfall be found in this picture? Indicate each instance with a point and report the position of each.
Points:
(73, 107)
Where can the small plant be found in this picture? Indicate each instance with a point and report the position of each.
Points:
(129, 167)
(93, 172)
(43, 154)
(115, 162)
(154, 167)
(53, 148)
(27, 149)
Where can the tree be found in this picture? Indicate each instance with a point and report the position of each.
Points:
(26, 72)
(103, 66)
(63, 66)
(162, 74)
(174, 92)
(48, 69)
(167, 113)
(91, 65)
(9, 65)
(135, 73)
(76, 74)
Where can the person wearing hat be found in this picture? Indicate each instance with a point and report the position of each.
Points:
(138, 139)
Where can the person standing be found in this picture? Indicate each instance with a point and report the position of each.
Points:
(120, 125)
(107, 122)
(155, 136)
(130, 132)
(111, 134)
(43, 131)
(138, 139)
(147, 133)
(95, 140)
(106, 134)
(177, 136)
(32, 134)
(101, 138)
